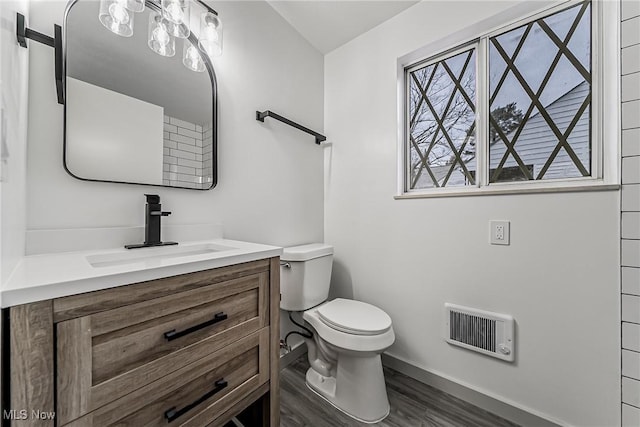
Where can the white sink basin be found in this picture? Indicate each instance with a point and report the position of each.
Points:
(154, 254)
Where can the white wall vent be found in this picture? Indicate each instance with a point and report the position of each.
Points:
(481, 331)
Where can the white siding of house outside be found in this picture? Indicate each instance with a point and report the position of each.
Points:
(537, 141)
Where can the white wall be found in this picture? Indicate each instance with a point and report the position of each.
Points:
(558, 278)
(111, 136)
(269, 176)
(14, 63)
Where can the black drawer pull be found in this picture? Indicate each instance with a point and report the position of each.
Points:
(172, 414)
(172, 334)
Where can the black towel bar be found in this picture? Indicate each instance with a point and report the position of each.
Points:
(260, 116)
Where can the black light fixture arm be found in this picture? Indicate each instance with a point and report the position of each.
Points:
(23, 33)
(200, 2)
(260, 116)
(206, 6)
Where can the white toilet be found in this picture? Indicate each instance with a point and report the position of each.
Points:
(348, 336)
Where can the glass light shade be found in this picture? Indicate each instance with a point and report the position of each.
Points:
(176, 11)
(160, 41)
(115, 16)
(180, 31)
(211, 34)
(176, 14)
(191, 57)
(135, 5)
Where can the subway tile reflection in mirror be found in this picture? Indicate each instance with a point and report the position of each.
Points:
(187, 148)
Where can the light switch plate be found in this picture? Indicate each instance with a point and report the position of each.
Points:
(499, 232)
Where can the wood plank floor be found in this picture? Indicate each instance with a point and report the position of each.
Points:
(413, 404)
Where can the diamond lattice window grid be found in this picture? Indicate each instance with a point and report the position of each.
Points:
(442, 122)
(534, 98)
(542, 71)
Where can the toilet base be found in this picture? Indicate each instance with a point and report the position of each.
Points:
(358, 388)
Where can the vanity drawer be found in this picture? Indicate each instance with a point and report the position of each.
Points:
(109, 354)
(193, 395)
(80, 305)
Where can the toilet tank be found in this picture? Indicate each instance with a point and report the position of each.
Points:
(305, 279)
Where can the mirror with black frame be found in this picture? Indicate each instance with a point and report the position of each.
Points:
(133, 115)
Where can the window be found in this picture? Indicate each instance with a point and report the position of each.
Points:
(515, 105)
(442, 124)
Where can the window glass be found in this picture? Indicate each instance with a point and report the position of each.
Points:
(442, 122)
(540, 98)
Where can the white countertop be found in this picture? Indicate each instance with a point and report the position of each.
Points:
(47, 276)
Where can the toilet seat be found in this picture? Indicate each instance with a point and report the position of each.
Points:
(354, 317)
(347, 340)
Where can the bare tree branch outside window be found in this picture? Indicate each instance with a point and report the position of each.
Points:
(442, 122)
(539, 103)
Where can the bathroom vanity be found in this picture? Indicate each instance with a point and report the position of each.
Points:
(189, 349)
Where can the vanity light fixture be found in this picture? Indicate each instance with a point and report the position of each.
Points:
(191, 57)
(160, 40)
(168, 20)
(135, 5)
(210, 34)
(115, 16)
(176, 15)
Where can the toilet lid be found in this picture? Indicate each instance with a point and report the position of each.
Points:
(354, 317)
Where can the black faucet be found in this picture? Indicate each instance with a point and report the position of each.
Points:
(152, 214)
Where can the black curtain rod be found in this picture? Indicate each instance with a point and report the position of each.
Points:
(260, 116)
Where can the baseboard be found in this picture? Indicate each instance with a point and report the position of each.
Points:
(494, 405)
(294, 354)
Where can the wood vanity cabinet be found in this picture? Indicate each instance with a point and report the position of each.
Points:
(188, 350)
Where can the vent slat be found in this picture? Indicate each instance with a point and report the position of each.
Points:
(472, 330)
